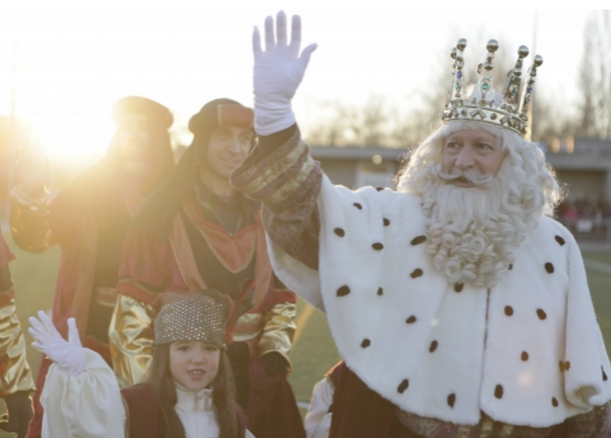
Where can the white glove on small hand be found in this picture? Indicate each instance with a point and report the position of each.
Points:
(68, 355)
(278, 72)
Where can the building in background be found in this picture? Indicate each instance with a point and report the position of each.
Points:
(356, 167)
(584, 164)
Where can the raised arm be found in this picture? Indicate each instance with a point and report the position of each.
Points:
(81, 396)
(280, 172)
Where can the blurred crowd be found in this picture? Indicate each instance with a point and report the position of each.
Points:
(586, 216)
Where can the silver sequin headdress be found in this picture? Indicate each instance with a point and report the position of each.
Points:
(193, 318)
(512, 112)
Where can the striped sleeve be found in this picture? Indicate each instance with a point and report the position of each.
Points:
(287, 182)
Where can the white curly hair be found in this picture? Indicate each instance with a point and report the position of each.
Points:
(472, 232)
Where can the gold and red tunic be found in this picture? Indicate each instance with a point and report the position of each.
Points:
(200, 252)
(15, 374)
(89, 220)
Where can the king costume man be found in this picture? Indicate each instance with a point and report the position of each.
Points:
(459, 306)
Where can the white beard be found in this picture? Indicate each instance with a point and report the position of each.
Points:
(471, 233)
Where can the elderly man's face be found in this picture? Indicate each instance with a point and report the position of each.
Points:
(474, 150)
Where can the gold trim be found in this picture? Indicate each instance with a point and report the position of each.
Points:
(29, 222)
(254, 319)
(16, 375)
(287, 189)
(106, 296)
(131, 340)
(276, 168)
(128, 425)
(278, 330)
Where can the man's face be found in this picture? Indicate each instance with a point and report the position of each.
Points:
(227, 148)
(133, 137)
(474, 150)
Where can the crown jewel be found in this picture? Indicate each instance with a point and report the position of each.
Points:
(512, 112)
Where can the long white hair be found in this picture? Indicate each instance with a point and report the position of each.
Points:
(472, 232)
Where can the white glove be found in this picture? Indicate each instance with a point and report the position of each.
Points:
(278, 72)
(68, 355)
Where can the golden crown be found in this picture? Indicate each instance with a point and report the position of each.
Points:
(512, 113)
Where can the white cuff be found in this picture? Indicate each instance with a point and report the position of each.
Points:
(272, 117)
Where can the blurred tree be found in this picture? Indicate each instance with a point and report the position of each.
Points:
(595, 77)
(349, 125)
(378, 122)
(552, 122)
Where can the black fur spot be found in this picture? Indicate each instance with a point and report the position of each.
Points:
(417, 273)
(451, 400)
(604, 374)
(510, 266)
(418, 240)
(366, 343)
(339, 232)
(560, 240)
(342, 291)
(386, 222)
(541, 314)
(549, 268)
(458, 287)
(377, 246)
(411, 320)
(403, 386)
(498, 391)
(433, 346)
(524, 356)
(357, 205)
(380, 291)
(508, 310)
(554, 402)
(379, 189)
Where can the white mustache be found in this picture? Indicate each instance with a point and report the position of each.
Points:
(476, 178)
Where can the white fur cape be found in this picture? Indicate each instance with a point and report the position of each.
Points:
(526, 352)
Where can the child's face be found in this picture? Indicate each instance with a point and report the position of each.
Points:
(194, 364)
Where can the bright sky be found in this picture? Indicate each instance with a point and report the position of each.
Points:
(73, 61)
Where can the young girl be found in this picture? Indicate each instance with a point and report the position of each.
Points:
(189, 393)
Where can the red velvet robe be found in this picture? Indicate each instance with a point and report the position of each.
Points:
(145, 419)
(359, 412)
(86, 215)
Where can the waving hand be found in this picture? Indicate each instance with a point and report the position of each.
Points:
(68, 355)
(278, 71)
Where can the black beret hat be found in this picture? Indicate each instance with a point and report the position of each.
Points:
(221, 113)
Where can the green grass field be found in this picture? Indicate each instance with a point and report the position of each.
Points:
(314, 352)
